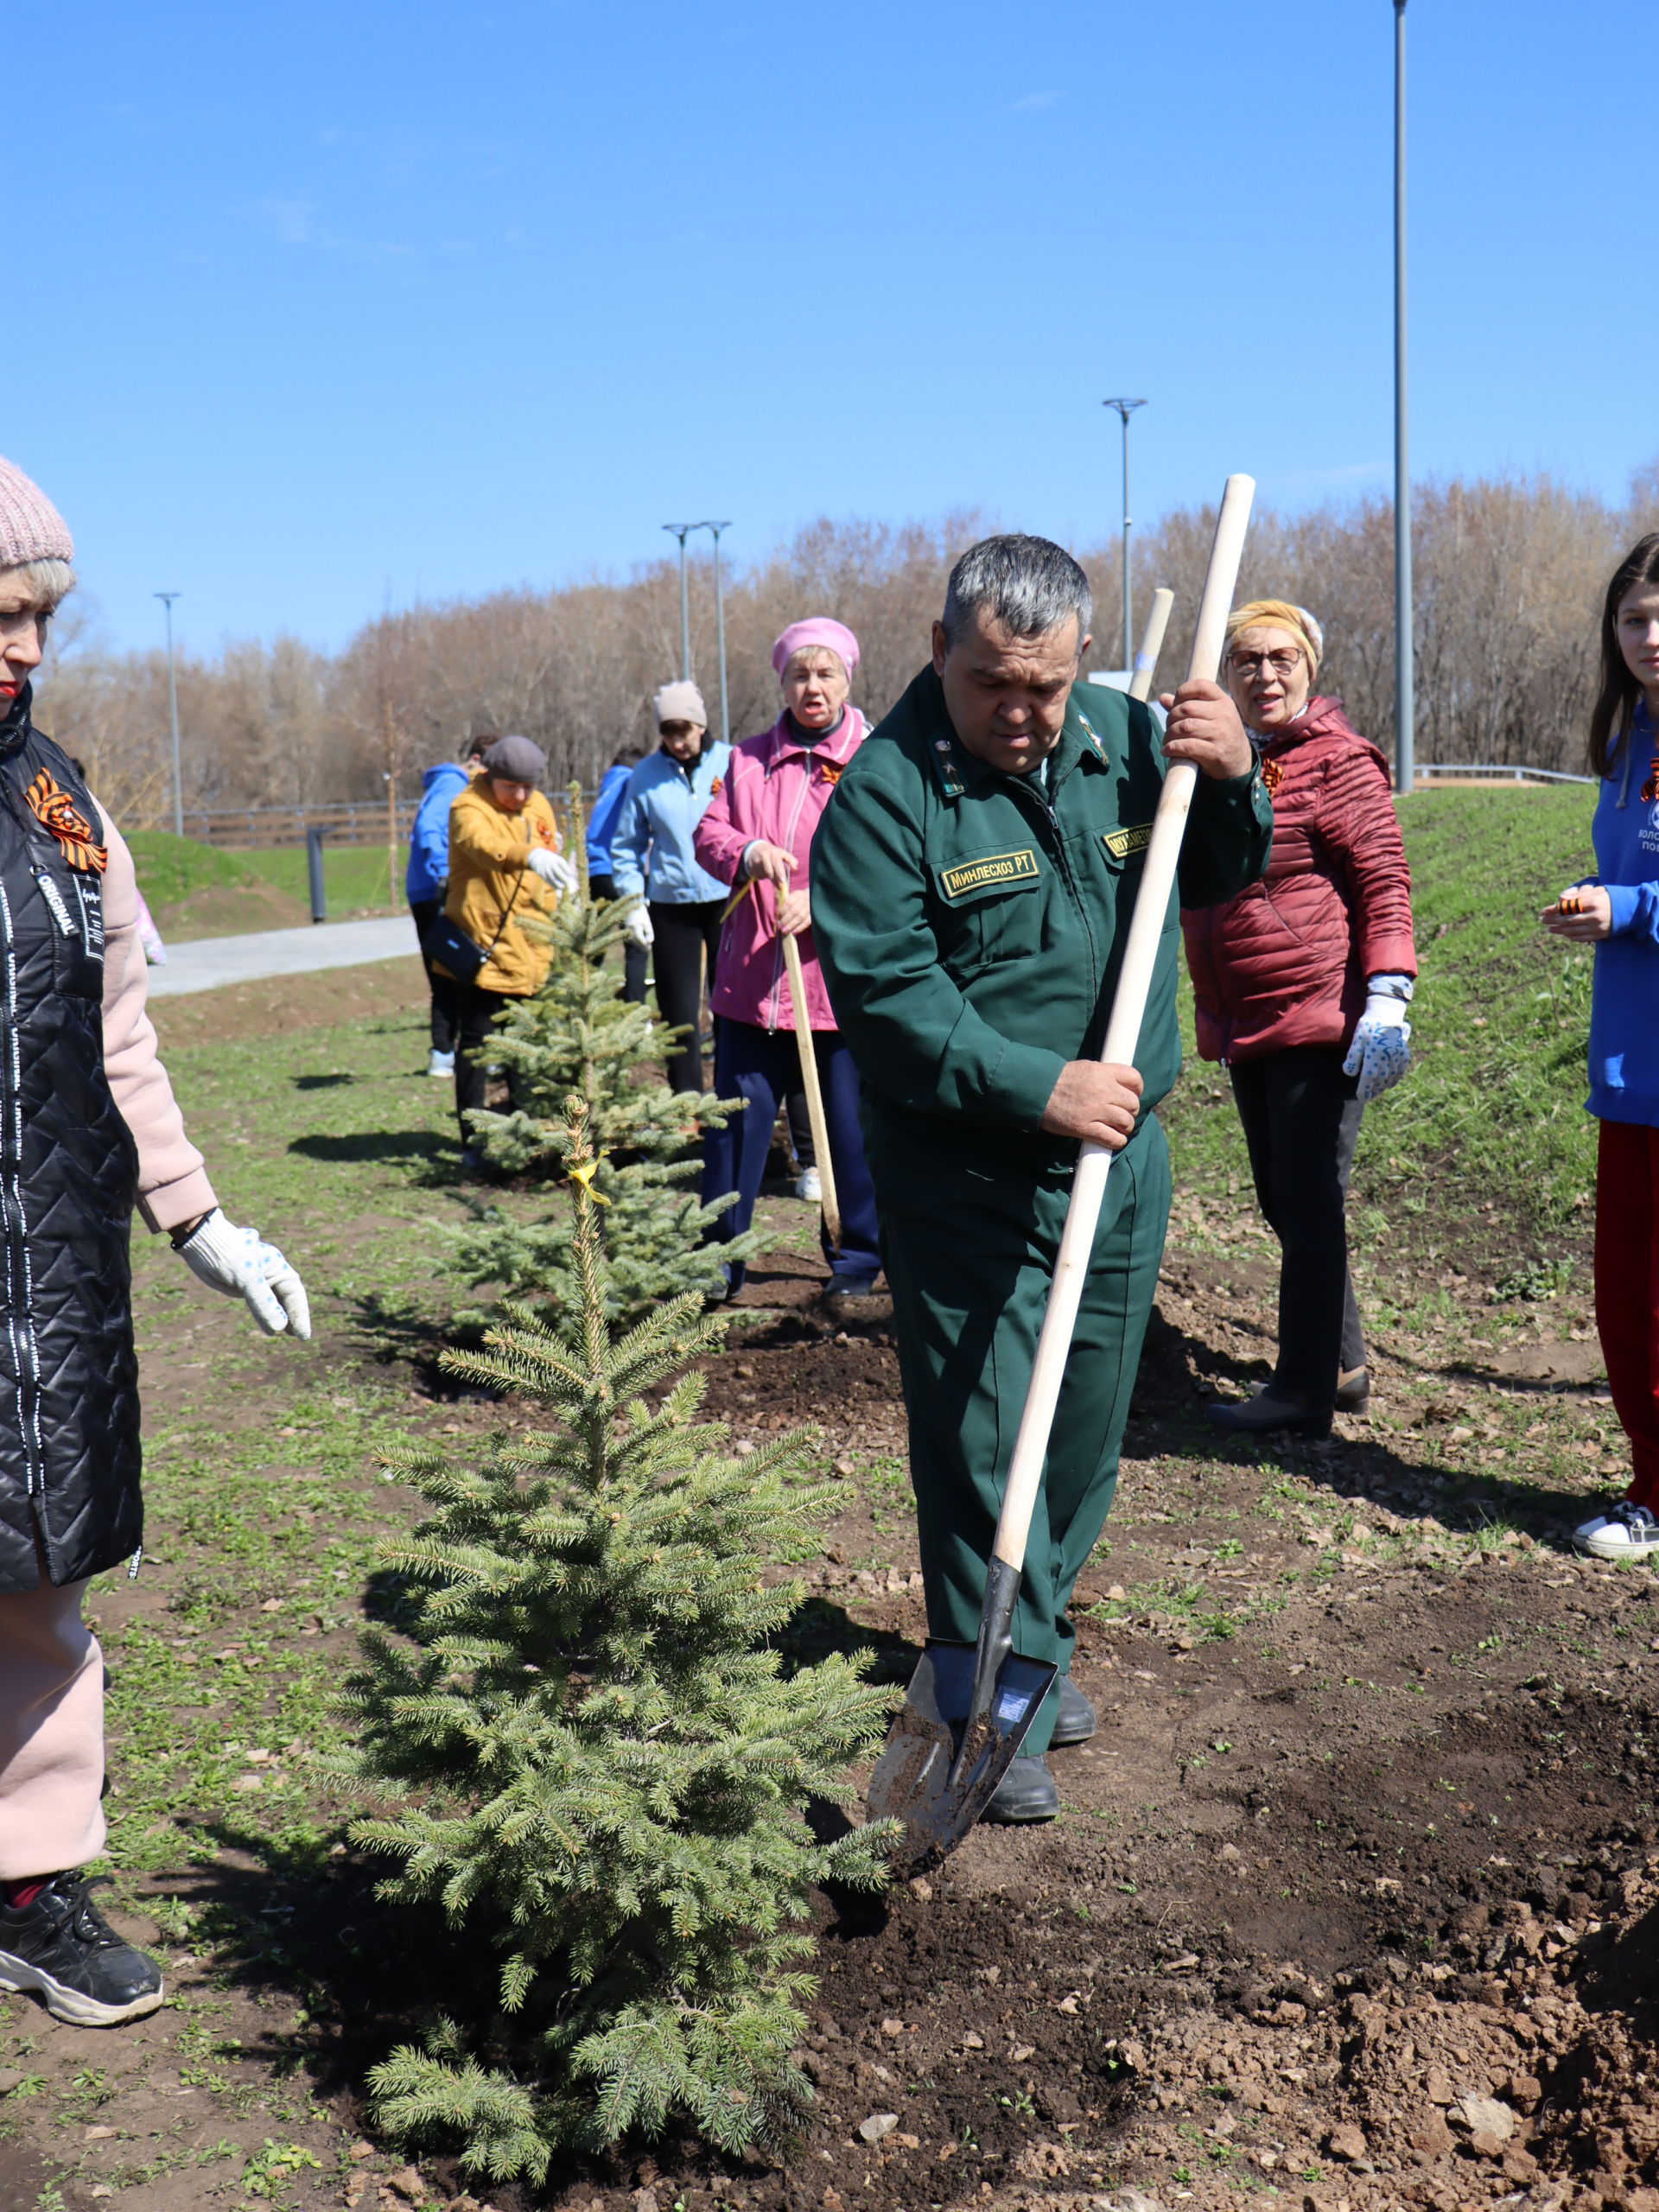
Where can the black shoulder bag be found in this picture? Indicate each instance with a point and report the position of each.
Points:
(446, 941)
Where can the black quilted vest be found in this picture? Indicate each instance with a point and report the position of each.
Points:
(69, 1452)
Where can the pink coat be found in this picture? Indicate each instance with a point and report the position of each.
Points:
(775, 788)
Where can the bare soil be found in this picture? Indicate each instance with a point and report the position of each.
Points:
(1355, 1900)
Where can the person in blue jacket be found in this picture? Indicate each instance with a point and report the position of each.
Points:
(1616, 910)
(651, 848)
(424, 880)
(602, 869)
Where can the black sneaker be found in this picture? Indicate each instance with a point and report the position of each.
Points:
(61, 1945)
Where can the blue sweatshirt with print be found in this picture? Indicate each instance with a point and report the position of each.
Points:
(1624, 1003)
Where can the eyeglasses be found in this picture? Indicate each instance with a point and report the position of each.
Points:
(1285, 662)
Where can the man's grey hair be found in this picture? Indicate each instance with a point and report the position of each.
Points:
(1028, 586)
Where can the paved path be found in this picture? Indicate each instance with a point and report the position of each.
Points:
(204, 963)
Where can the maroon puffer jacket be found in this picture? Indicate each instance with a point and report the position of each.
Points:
(1286, 963)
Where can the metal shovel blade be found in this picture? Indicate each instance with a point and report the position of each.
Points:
(912, 1782)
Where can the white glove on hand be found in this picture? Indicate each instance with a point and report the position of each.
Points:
(554, 869)
(240, 1263)
(1381, 1052)
(640, 927)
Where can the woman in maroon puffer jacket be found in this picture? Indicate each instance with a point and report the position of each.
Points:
(1302, 984)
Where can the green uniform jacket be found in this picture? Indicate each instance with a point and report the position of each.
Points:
(971, 927)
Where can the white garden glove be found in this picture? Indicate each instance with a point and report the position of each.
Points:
(240, 1262)
(1381, 1052)
(639, 926)
(554, 869)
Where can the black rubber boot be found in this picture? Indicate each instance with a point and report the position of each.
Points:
(1027, 1792)
(1353, 1391)
(1075, 1722)
(1268, 1415)
(60, 1944)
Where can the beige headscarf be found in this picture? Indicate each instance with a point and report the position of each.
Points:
(1279, 614)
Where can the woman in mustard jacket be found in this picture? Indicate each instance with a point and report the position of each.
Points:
(506, 863)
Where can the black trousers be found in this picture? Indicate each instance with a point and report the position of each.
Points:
(1301, 1121)
(603, 887)
(688, 937)
(442, 988)
(476, 1012)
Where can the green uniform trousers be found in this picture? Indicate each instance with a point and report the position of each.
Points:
(969, 1248)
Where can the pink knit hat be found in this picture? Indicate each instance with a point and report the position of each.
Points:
(816, 630)
(31, 529)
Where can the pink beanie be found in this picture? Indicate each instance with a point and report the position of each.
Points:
(31, 529)
(816, 630)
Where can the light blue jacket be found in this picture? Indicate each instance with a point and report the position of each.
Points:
(1625, 998)
(429, 834)
(650, 846)
(608, 804)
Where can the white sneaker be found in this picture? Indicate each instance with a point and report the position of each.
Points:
(808, 1187)
(440, 1063)
(1628, 1532)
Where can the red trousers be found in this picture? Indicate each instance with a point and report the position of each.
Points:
(1627, 1291)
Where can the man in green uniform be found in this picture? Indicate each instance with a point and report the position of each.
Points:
(972, 883)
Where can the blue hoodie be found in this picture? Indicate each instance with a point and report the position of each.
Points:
(613, 788)
(429, 834)
(651, 843)
(1624, 1004)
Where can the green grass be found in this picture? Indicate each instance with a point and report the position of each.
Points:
(171, 868)
(1489, 1125)
(356, 877)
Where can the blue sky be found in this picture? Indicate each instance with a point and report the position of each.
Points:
(330, 305)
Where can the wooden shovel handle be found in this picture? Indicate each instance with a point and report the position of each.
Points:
(1152, 643)
(810, 1084)
(1123, 1039)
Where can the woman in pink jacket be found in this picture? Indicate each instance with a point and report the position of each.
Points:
(758, 832)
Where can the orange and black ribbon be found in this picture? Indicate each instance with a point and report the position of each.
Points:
(1650, 789)
(55, 811)
(1272, 775)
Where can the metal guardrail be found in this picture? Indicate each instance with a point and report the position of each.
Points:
(1425, 770)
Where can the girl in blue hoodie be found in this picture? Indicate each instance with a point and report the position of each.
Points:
(1617, 912)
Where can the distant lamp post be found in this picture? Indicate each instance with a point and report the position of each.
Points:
(166, 598)
(1405, 688)
(682, 531)
(1125, 408)
(714, 529)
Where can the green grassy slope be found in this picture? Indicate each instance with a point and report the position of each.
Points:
(357, 877)
(173, 868)
(1492, 1113)
(197, 890)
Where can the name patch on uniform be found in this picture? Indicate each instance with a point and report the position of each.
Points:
(1121, 843)
(990, 872)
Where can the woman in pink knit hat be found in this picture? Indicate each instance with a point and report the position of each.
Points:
(757, 834)
(88, 1130)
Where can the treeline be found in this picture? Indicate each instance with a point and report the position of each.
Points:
(1508, 574)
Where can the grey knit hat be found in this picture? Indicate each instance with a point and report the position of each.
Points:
(516, 760)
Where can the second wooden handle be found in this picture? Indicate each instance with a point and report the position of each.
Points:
(810, 1084)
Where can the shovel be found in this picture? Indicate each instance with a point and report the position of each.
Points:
(969, 1707)
(813, 1091)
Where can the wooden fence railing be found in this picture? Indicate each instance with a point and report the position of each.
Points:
(347, 822)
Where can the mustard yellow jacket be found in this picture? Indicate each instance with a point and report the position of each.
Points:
(488, 852)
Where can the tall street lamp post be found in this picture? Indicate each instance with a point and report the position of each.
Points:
(682, 531)
(714, 529)
(166, 598)
(1125, 408)
(1405, 736)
